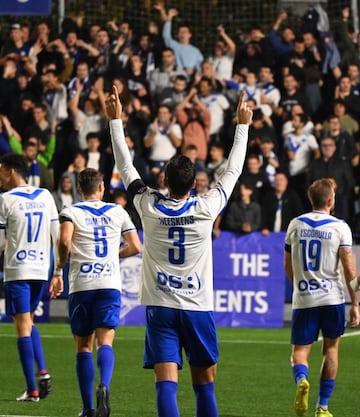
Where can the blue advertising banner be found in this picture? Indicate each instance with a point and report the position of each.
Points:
(25, 7)
(249, 282)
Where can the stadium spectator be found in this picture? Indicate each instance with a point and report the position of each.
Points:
(292, 95)
(346, 148)
(82, 75)
(87, 118)
(285, 42)
(25, 282)
(171, 310)
(175, 94)
(65, 195)
(279, 206)
(348, 123)
(55, 96)
(301, 148)
(163, 138)
(317, 307)
(331, 165)
(243, 214)
(188, 56)
(269, 160)
(288, 127)
(256, 177)
(223, 56)
(194, 119)
(218, 106)
(269, 93)
(94, 296)
(164, 76)
(344, 91)
(217, 163)
(137, 81)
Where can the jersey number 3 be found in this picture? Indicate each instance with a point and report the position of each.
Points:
(177, 253)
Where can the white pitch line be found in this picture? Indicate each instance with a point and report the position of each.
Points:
(10, 415)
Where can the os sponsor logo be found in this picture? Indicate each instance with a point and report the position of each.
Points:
(96, 267)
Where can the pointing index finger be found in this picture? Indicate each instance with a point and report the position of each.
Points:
(242, 99)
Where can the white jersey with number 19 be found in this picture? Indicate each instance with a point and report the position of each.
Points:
(30, 216)
(315, 239)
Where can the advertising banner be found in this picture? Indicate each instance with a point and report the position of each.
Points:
(25, 7)
(249, 282)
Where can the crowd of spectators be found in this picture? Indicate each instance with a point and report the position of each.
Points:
(303, 87)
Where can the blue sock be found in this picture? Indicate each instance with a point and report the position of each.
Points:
(300, 371)
(326, 390)
(205, 400)
(105, 363)
(38, 350)
(166, 399)
(26, 355)
(86, 374)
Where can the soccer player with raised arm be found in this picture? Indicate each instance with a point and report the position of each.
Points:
(177, 268)
(316, 243)
(31, 220)
(91, 232)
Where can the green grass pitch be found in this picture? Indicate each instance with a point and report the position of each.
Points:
(254, 376)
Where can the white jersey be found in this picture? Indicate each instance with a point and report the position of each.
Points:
(177, 254)
(30, 216)
(315, 239)
(94, 259)
(303, 146)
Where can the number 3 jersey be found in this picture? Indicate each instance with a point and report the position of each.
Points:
(30, 216)
(315, 239)
(177, 269)
(94, 259)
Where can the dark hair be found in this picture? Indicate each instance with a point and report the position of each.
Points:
(180, 175)
(89, 180)
(319, 192)
(16, 162)
(303, 118)
(92, 135)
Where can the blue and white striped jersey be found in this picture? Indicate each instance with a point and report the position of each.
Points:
(31, 219)
(315, 239)
(94, 259)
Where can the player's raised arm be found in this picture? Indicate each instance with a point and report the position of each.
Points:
(238, 151)
(121, 151)
(243, 112)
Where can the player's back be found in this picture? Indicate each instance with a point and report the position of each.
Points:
(94, 262)
(315, 239)
(27, 213)
(177, 254)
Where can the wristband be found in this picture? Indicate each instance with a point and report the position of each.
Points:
(58, 271)
(354, 284)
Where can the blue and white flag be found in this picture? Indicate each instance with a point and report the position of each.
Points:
(25, 7)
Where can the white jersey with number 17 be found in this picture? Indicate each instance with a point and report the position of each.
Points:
(29, 214)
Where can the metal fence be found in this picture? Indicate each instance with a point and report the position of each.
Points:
(204, 16)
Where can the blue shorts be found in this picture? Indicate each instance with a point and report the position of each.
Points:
(168, 330)
(23, 296)
(95, 309)
(306, 323)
